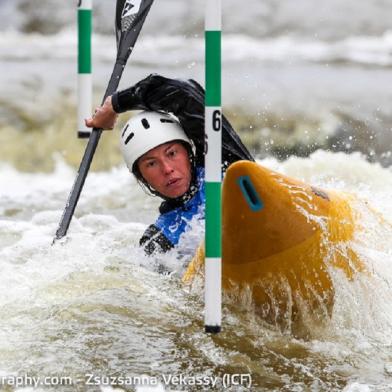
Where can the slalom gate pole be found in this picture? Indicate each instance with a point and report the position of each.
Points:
(85, 84)
(213, 167)
(130, 16)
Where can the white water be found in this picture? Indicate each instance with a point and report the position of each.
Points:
(94, 303)
(163, 49)
(325, 88)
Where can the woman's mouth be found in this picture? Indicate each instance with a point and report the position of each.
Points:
(173, 181)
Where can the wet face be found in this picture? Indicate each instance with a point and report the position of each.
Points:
(167, 169)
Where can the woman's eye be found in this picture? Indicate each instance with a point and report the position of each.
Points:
(150, 164)
(172, 153)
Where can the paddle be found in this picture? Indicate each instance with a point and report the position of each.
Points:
(130, 16)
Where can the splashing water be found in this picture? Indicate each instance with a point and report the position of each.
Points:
(94, 303)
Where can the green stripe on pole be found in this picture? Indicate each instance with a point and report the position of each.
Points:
(213, 219)
(84, 39)
(213, 68)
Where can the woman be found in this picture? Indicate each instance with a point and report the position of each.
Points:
(166, 155)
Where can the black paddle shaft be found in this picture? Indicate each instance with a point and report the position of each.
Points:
(128, 26)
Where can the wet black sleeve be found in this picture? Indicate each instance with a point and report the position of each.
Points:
(185, 99)
(154, 241)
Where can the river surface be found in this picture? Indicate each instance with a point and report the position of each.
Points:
(307, 88)
(94, 304)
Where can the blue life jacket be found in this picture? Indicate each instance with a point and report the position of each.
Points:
(165, 233)
(174, 223)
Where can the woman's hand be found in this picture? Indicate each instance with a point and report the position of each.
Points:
(104, 117)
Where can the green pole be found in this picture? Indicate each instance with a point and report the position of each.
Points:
(85, 84)
(213, 167)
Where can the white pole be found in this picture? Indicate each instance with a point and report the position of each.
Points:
(85, 84)
(213, 166)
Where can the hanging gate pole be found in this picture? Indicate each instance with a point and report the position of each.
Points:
(85, 83)
(213, 166)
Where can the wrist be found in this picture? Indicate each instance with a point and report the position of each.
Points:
(115, 103)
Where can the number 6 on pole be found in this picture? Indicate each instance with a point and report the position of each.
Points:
(213, 167)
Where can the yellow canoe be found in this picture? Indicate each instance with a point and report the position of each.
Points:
(281, 238)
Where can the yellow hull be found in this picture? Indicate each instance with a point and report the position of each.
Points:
(281, 237)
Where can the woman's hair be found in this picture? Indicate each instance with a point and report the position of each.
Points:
(145, 185)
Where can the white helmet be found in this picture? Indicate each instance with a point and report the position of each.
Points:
(146, 131)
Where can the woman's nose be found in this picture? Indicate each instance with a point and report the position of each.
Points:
(167, 167)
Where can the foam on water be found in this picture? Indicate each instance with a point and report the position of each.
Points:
(175, 51)
(93, 300)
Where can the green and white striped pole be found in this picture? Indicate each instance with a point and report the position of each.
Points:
(213, 167)
(85, 84)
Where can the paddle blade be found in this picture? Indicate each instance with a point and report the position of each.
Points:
(130, 16)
